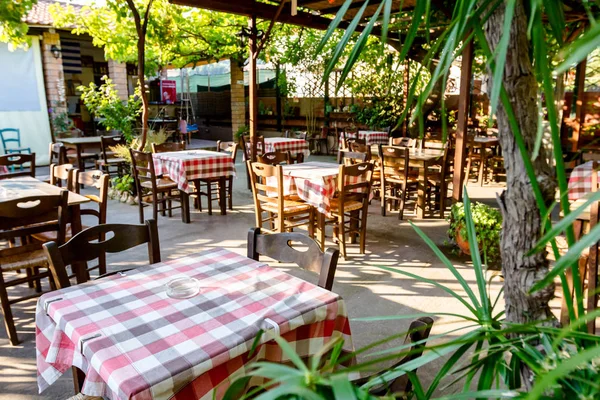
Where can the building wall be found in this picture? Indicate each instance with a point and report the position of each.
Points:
(118, 74)
(54, 77)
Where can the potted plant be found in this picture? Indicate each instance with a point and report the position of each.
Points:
(488, 225)
(241, 131)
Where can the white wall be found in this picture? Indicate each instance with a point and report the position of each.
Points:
(32, 119)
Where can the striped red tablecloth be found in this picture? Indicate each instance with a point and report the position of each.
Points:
(135, 342)
(371, 137)
(292, 145)
(183, 166)
(580, 181)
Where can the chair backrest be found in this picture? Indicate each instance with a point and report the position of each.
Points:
(300, 135)
(98, 180)
(267, 187)
(57, 153)
(106, 142)
(24, 217)
(228, 147)
(63, 176)
(168, 146)
(279, 246)
(142, 167)
(435, 144)
(393, 162)
(351, 157)
(246, 146)
(86, 246)
(275, 158)
(417, 335)
(403, 141)
(354, 183)
(10, 135)
(18, 159)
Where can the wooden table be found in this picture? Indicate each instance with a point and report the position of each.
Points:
(484, 142)
(79, 144)
(423, 159)
(23, 187)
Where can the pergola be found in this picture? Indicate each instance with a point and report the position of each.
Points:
(317, 14)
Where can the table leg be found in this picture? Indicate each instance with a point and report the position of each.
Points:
(422, 191)
(222, 195)
(185, 207)
(80, 268)
(321, 229)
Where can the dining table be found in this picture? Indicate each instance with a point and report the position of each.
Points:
(79, 144)
(192, 165)
(293, 145)
(370, 137)
(133, 341)
(24, 187)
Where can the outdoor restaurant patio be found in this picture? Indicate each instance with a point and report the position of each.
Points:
(299, 199)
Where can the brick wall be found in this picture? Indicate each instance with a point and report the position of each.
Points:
(238, 97)
(54, 80)
(118, 73)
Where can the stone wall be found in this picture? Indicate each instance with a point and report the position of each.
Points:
(54, 80)
(118, 74)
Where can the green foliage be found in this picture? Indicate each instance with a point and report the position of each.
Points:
(488, 227)
(12, 28)
(104, 102)
(176, 35)
(123, 184)
(241, 131)
(154, 137)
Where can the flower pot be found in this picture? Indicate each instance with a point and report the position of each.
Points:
(462, 243)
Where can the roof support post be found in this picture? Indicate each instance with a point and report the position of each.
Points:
(464, 102)
(253, 89)
(578, 105)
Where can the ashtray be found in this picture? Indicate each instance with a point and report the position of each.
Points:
(183, 288)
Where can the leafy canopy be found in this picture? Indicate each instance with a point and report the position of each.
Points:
(12, 28)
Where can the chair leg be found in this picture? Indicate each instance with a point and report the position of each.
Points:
(354, 215)
(154, 206)
(311, 223)
(169, 205)
(141, 209)
(468, 172)
(342, 234)
(230, 192)
(321, 230)
(28, 273)
(38, 282)
(402, 200)
(163, 204)
(363, 229)
(9, 322)
(383, 199)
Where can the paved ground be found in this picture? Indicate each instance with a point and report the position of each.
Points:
(367, 289)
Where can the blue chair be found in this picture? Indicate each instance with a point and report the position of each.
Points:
(9, 136)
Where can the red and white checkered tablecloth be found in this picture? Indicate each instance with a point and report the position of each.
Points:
(370, 137)
(135, 342)
(292, 145)
(580, 181)
(183, 166)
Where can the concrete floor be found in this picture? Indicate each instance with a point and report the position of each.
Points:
(368, 290)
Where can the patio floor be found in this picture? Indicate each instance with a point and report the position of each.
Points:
(367, 289)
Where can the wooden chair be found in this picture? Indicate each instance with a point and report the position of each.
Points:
(351, 157)
(168, 146)
(401, 387)
(396, 179)
(10, 136)
(63, 176)
(279, 246)
(403, 142)
(212, 184)
(350, 208)
(357, 147)
(59, 154)
(85, 246)
(297, 159)
(18, 220)
(283, 214)
(246, 152)
(11, 160)
(439, 181)
(275, 158)
(107, 159)
(160, 190)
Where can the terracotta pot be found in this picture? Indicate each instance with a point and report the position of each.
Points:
(463, 243)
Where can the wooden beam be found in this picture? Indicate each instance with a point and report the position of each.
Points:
(578, 106)
(253, 89)
(464, 100)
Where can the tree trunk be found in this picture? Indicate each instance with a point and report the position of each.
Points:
(522, 222)
(141, 82)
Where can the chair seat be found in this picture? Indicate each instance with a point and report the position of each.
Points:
(111, 161)
(51, 235)
(28, 256)
(161, 184)
(289, 206)
(349, 205)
